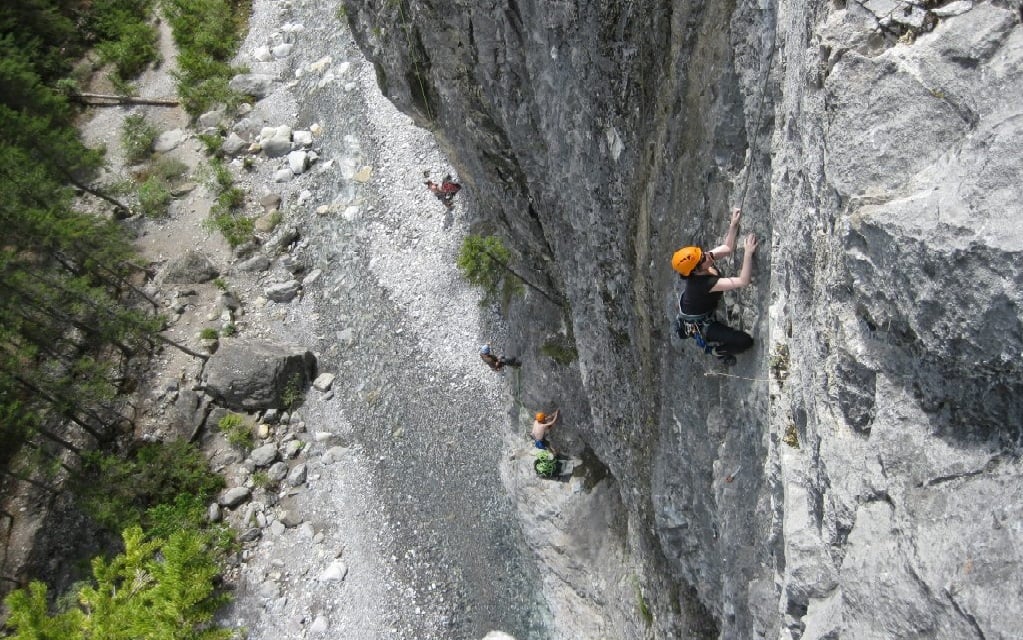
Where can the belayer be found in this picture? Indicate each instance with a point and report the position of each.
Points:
(704, 286)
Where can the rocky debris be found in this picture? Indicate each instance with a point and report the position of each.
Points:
(290, 517)
(282, 50)
(334, 573)
(191, 267)
(233, 497)
(297, 476)
(182, 189)
(213, 119)
(185, 415)
(291, 264)
(255, 263)
(281, 239)
(283, 291)
(257, 85)
(248, 374)
(168, 140)
(275, 141)
(234, 144)
(324, 381)
(311, 278)
(264, 455)
(319, 625)
(298, 161)
(270, 202)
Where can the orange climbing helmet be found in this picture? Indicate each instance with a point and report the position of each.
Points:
(686, 259)
(541, 416)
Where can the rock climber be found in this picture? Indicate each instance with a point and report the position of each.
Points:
(497, 362)
(445, 191)
(542, 424)
(704, 286)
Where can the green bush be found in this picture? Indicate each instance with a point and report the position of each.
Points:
(169, 169)
(158, 588)
(134, 48)
(207, 33)
(237, 431)
(293, 395)
(260, 480)
(483, 262)
(231, 198)
(125, 34)
(154, 196)
(208, 334)
(137, 138)
(119, 491)
(236, 229)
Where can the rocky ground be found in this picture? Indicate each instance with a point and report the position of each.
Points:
(390, 519)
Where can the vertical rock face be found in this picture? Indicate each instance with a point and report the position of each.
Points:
(855, 474)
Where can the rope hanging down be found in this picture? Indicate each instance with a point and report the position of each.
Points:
(760, 117)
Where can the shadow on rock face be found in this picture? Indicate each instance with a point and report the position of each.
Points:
(940, 327)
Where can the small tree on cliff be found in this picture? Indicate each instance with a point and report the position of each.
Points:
(484, 263)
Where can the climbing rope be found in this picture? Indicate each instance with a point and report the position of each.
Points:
(760, 117)
(407, 26)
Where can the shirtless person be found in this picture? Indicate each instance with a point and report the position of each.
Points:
(541, 426)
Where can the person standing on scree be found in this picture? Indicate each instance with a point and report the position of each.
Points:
(704, 286)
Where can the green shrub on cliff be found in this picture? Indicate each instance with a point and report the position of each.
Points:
(158, 588)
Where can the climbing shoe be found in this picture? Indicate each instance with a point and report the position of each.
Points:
(726, 358)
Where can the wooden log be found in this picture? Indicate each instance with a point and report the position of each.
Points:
(92, 98)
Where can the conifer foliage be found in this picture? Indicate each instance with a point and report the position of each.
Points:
(68, 319)
(157, 588)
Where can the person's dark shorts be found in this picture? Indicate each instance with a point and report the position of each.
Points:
(542, 444)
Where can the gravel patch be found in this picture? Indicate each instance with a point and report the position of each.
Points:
(407, 531)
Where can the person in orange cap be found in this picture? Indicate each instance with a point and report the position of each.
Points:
(542, 424)
(704, 286)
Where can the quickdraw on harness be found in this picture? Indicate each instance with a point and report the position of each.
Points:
(687, 326)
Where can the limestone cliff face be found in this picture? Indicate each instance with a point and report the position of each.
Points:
(876, 425)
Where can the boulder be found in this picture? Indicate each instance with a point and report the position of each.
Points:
(168, 140)
(335, 572)
(255, 263)
(234, 144)
(212, 119)
(277, 472)
(234, 497)
(251, 375)
(283, 291)
(191, 267)
(324, 381)
(186, 415)
(298, 161)
(257, 85)
(270, 202)
(297, 477)
(262, 456)
(292, 449)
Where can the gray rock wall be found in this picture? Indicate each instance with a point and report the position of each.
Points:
(855, 475)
